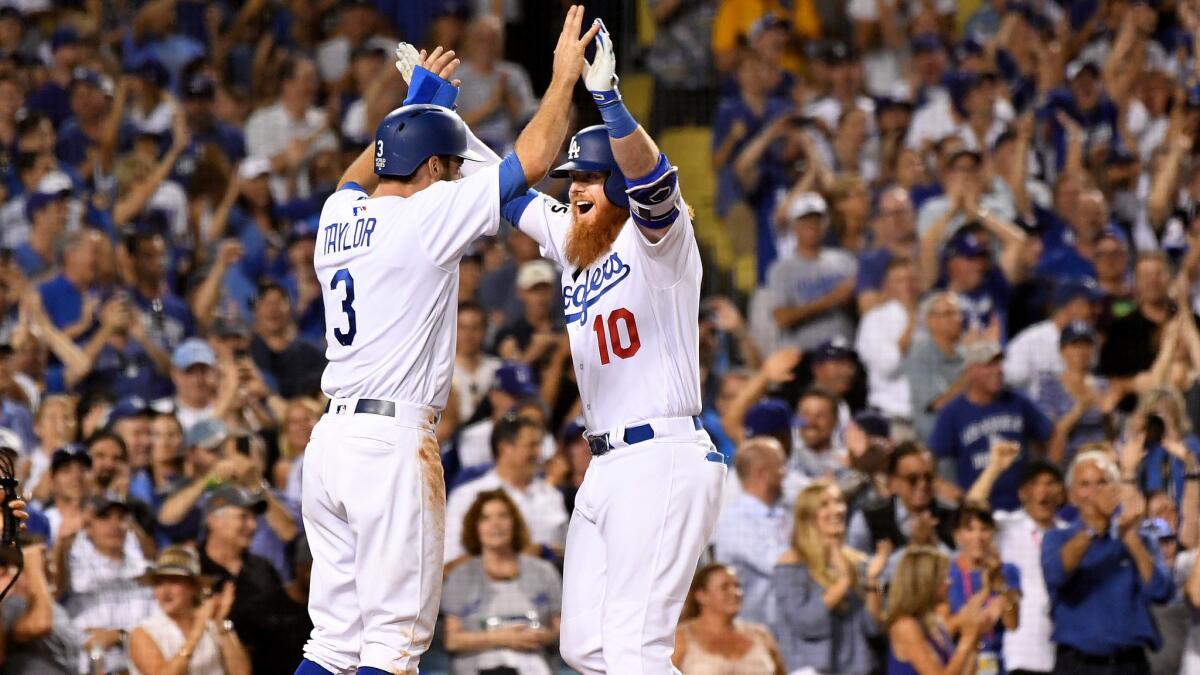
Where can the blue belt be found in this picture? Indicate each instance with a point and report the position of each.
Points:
(643, 432)
(371, 406)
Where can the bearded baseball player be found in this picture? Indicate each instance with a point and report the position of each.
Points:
(387, 256)
(631, 294)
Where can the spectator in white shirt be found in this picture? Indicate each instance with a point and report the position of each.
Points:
(474, 371)
(516, 445)
(194, 374)
(1035, 350)
(884, 336)
(514, 385)
(1019, 536)
(291, 131)
(752, 530)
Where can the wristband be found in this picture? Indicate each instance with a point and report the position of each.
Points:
(425, 87)
(614, 113)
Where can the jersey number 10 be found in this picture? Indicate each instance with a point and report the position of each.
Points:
(613, 335)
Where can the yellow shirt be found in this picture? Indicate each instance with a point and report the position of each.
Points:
(735, 18)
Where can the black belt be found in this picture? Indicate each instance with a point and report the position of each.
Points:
(643, 432)
(369, 406)
(1128, 655)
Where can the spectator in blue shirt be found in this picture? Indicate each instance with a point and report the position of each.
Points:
(70, 299)
(164, 317)
(1102, 575)
(895, 236)
(1085, 102)
(982, 289)
(977, 569)
(47, 212)
(52, 98)
(988, 412)
(207, 131)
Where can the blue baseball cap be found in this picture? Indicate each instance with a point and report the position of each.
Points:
(965, 244)
(89, 77)
(130, 406)
(40, 200)
(37, 527)
(1074, 289)
(516, 379)
(153, 71)
(67, 455)
(832, 350)
(768, 417)
(1115, 233)
(207, 433)
(191, 352)
(873, 423)
(1077, 331)
(968, 47)
(200, 86)
(926, 42)
(63, 37)
(574, 429)
(306, 228)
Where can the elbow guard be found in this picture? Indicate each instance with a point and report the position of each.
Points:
(426, 87)
(654, 198)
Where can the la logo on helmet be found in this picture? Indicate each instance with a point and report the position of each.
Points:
(573, 151)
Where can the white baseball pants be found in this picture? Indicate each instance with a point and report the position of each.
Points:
(642, 518)
(374, 512)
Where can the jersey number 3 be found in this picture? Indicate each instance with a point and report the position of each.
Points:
(345, 338)
(612, 334)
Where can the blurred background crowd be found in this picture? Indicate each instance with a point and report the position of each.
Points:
(949, 343)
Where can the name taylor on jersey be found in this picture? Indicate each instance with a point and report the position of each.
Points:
(349, 235)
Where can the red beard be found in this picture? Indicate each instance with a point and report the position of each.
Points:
(586, 243)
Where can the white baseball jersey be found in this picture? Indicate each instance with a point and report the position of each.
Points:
(632, 317)
(388, 268)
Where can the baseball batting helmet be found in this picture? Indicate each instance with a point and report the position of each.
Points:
(590, 151)
(413, 133)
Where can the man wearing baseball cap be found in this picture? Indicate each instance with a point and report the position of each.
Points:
(1035, 349)
(47, 212)
(985, 414)
(513, 383)
(811, 289)
(538, 329)
(193, 371)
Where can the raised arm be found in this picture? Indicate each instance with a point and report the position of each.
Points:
(539, 143)
(654, 201)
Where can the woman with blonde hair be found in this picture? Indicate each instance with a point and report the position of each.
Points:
(918, 641)
(824, 614)
(711, 641)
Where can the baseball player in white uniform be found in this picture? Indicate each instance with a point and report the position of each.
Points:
(631, 295)
(387, 257)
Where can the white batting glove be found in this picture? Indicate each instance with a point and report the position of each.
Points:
(407, 58)
(600, 75)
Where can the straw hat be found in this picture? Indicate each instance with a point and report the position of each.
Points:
(174, 562)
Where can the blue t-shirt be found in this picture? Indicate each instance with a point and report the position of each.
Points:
(871, 266)
(964, 431)
(988, 299)
(167, 319)
(963, 586)
(1099, 124)
(127, 372)
(52, 99)
(729, 111)
(29, 260)
(1160, 470)
(63, 302)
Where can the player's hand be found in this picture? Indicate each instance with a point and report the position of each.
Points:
(601, 73)
(568, 54)
(441, 63)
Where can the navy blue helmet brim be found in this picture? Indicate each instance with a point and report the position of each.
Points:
(564, 170)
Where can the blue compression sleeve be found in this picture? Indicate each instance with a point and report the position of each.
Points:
(513, 209)
(426, 87)
(512, 178)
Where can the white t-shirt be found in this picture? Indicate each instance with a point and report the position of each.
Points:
(878, 345)
(388, 268)
(632, 317)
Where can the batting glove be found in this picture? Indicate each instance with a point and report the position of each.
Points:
(600, 75)
(423, 85)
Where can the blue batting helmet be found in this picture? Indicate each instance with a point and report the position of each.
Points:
(590, 151)
(411, 134)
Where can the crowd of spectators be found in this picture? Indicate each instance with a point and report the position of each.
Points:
(960, 403)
